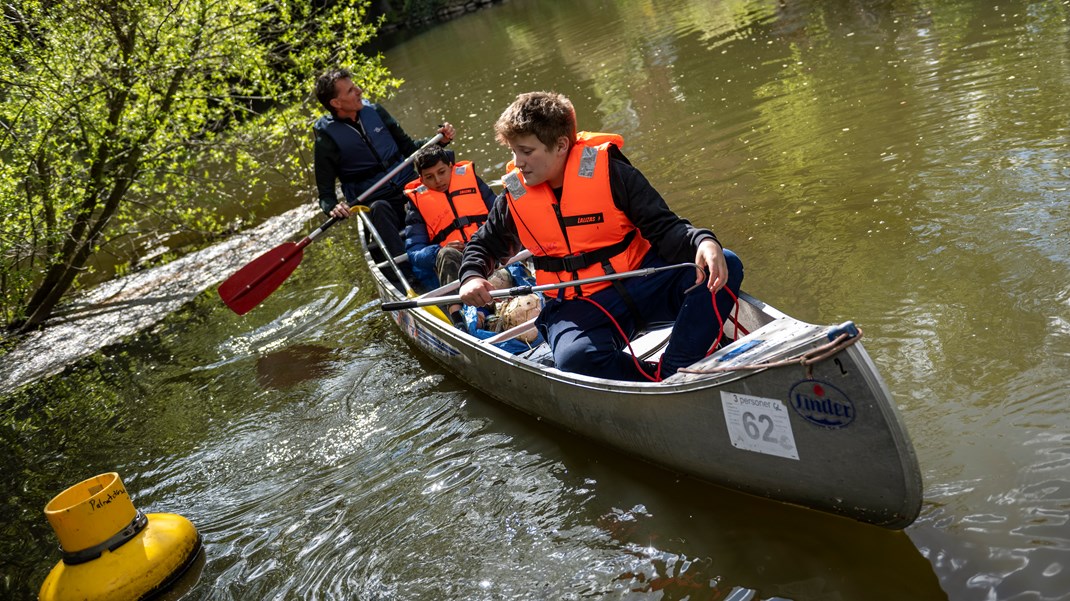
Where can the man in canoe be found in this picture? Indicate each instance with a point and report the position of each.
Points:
(447, 204)
(358, 143)
(583, 210)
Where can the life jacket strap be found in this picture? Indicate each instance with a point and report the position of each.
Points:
(629, 302)
(578, 261)
(459, 223)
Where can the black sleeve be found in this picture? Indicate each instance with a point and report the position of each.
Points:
(494, 242)
(485, 192)
(325, 157)
(673, 237)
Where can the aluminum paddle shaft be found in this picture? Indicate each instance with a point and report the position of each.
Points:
(522, 290)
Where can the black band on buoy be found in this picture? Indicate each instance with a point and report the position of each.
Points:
(73, 558)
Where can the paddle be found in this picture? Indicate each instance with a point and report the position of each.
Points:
(522, 290)
(409, 292)
(256, 281)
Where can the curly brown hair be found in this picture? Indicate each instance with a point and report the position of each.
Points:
(547, 115)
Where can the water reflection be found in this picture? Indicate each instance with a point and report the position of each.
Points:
(899, 164)
(290, 366)
(690, 539)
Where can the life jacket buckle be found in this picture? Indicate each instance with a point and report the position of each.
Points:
(574, 263)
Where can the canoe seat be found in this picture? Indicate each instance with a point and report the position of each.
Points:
(540, 354)
(649, 344)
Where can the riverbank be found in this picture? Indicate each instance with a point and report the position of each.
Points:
(125, 306)
(119, 308)
(419, 16)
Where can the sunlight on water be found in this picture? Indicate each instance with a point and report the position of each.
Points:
(903, 165)
(291, 324)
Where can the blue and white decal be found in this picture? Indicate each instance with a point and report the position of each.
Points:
(822, 404)
(424, 337)
(739, 350)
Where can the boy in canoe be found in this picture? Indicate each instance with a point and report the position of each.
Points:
(447, 204)
(583, 210)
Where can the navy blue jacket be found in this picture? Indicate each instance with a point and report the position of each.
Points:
(358, 159)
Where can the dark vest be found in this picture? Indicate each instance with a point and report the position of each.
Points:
(360, 164)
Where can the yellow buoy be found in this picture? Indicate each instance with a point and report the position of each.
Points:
(110, 549)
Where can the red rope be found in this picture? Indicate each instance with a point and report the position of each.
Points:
(627, 342)
(733, 315)
(721, 322)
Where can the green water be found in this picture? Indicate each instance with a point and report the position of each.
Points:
(900, 164)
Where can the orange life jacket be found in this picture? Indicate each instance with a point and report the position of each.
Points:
(454, 215)
(583, 236)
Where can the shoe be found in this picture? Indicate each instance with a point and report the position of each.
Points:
(458, 318)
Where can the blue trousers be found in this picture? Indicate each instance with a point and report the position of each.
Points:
(585, 341)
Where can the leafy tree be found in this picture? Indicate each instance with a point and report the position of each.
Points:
(112, 111)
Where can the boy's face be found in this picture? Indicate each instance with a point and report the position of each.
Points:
(437, 176)
(538, 162)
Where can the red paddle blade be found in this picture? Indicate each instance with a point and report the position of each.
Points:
(257, 280)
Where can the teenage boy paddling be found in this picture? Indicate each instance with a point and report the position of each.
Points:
(580, 207)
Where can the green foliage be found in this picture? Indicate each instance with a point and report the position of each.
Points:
(127, 120)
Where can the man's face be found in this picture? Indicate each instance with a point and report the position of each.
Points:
(538, 162)
(437, 177)
(347, 98)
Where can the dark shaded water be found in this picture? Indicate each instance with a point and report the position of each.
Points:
(902, 164)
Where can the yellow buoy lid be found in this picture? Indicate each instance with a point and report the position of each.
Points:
(90, 512)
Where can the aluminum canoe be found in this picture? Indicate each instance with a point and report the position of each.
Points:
(789, 411)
